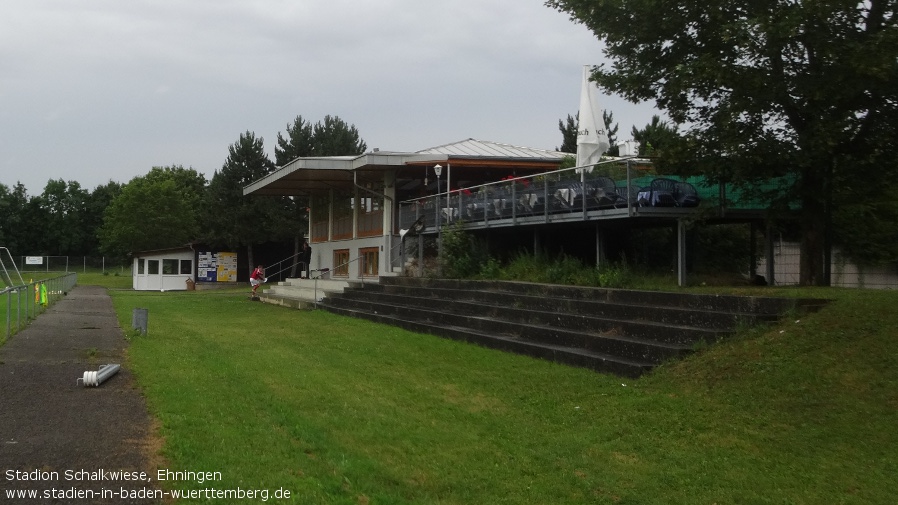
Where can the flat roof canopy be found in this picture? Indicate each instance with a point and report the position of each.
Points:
(304, 176)
(470, 160)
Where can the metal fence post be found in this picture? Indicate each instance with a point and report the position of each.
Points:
(8, 308)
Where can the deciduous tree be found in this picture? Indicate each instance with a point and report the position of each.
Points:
(154, 211)
(802, 88)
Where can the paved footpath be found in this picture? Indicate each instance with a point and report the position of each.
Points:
(58, 437)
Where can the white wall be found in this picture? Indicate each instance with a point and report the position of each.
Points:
(787, 264)
(143, 280)
(323, 255)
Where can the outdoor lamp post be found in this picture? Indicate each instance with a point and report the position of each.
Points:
(438, 169)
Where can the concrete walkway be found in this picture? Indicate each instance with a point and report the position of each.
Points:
(58, 437)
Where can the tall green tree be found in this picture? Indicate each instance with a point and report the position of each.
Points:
(334, 137)
(154, 211)
(568, 129)
(298, 142)
(28, 216)
(6, 216)
(235, 220)
(329, 137)
(656, 137)
(65, 205)
(97, 203)
(802, 88)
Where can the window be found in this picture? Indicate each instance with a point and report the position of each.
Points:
(342, 216)
(320, 205)
(371, 216)
(169, 267)
(152, 267)
(368, 260)
(341, 260)
(186, 267)
(140, 266)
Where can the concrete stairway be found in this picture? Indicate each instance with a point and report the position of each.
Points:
(302, 293)
(624, 332)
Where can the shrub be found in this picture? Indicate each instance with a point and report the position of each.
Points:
(463, 255)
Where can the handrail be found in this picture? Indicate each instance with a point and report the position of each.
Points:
(558, 172)
(285, 268)
(327, 270)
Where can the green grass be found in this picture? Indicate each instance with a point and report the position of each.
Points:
(112, 280)
(339, 410)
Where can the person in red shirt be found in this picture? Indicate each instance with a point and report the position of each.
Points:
(257, 278)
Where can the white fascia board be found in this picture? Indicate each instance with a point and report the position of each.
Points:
(343, 163)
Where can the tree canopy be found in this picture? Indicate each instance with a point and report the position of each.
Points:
(154, 211)
(334, 137)
(798, 87)
(235, 220)
(656, 137)
(297, 143)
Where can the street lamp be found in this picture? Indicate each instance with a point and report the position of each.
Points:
(438, 169)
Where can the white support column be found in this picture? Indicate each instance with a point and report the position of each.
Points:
(600, 247)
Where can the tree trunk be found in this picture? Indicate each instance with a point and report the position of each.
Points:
(249, 257)
(813, 227)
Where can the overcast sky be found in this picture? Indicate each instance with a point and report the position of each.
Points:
(100, 90)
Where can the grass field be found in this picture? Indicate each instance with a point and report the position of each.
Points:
(343, 411)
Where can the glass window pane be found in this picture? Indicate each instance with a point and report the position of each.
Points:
(169, 267)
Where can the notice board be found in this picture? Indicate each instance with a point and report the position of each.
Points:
(217, 266)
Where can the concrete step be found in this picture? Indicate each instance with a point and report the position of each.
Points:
(599, 362)
(611, 342)
(646, 327)
(286, 301)
(673, 316)
(302, 293)
(625, 332)
(758, 305)
(330, 285)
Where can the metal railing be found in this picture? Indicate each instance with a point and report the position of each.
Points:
(564, 191)
(45, 263)
(619, 187)
(277, 275)
(24, 302)
(326, 271)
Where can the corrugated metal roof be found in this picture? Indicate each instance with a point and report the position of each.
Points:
(487, 149)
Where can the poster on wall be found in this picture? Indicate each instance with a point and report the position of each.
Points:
(207, 269)
(217, 267)
(227, 267)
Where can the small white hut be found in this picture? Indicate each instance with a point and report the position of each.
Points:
(164, 269)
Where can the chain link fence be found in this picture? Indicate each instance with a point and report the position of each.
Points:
(83, 264)
(22, 303)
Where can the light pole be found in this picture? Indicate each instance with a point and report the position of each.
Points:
(438, 169)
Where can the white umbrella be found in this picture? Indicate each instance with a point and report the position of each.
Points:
(592, 139)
